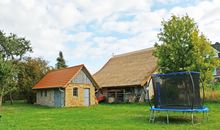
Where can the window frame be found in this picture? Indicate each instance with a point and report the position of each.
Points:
(75, 92)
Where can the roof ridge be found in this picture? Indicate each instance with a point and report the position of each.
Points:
(66, 68)
(133, 52)
(127, 69)
(102, 67)
(120, 55)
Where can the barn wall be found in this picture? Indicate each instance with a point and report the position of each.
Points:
(45, 100)
(71, 100)
(124, 94)
(105, 92)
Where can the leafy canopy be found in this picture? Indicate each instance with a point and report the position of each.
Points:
(7, 78)
(12, 49)
(182, 47)
(31, 70)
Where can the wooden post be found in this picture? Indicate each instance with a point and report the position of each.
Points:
(116, 99)
(124, 95)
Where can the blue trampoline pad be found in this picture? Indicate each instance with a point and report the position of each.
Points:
(203, 109)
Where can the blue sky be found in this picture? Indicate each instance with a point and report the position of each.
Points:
(90, 31)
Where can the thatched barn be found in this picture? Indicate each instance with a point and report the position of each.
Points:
(68, 87)
(123, 77)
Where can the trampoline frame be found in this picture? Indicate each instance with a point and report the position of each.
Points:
(184, 110)
(152, 117)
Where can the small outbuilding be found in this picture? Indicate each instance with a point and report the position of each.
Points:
(68, 87)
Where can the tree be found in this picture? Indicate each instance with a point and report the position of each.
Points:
(183, 48)
(12, 49)
(7, 78)
(31, 70)
(60, 61)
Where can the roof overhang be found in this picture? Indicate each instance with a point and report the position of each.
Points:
(49, 87)
(122, 86)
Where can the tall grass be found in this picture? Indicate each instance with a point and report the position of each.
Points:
(212, 95)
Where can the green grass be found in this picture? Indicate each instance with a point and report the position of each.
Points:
(103, 116)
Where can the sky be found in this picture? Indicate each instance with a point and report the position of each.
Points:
(92, 31)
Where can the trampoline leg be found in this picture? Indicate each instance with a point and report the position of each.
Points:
(167, 118)
(150, 116)
(207, 116)
(154, 117)
(203, 115)
(192, 116)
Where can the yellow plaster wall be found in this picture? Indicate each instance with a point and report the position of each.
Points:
(71, 100)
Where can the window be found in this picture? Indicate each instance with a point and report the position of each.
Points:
(41, 93)
(75, 91)
(45, 93)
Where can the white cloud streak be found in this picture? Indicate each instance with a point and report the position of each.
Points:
(90, 31)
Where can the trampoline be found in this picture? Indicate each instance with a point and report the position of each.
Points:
(177, 92)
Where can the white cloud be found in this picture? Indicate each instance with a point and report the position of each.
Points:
(206, 15)
(90, 31)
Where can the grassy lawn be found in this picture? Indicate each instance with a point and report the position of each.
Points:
(103, 116)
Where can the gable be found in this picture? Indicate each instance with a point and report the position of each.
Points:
(58, 78)
(82, 78)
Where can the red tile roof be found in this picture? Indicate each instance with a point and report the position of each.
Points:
(58, 78)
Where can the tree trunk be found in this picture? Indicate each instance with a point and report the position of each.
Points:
(1, 97)
(11, 98)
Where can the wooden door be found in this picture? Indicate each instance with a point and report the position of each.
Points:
(86, 97)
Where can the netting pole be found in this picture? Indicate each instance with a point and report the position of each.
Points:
(193, 89)
(203, 94)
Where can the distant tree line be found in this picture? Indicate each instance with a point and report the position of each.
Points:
(18, 74)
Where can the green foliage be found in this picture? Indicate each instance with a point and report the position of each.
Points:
(7, 78)
(31, 70)
(12, 49)
(60, 61)
(183, 48)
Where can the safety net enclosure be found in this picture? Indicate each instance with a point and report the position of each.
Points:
(179, 90)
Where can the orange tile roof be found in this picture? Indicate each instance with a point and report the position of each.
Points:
(58, 78)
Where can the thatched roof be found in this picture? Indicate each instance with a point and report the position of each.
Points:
(127, 69)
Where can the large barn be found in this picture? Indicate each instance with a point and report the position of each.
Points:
(73, 86)
(124, 76)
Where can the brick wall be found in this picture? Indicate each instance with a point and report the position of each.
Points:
(45, 100)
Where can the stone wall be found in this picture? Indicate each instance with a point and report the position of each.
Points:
(71, 100)
(45, 100)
